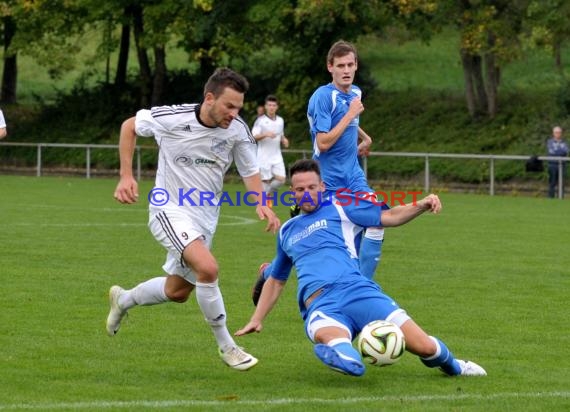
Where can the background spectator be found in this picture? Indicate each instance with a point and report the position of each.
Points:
(556, 146)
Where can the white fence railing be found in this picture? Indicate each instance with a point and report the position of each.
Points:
(306, 154)
(88, 148)
(490, 157)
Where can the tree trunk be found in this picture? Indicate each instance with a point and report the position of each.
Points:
(479, 84)
(144, 65)
(159, 81)
(558, 55)
(491, 77)
(121, 74)
(467, 63)
(10, 74)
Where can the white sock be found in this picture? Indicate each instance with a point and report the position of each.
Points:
(374, 233)
(338, 340)
(274, 185)
(150, 292)
(211, 303)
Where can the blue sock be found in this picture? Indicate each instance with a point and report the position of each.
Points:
(370, 252)
(344, 347)
(267, 270)
(443, 359)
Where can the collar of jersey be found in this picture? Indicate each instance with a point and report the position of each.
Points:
(197, 113)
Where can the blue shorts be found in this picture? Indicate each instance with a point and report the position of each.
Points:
(351, 306)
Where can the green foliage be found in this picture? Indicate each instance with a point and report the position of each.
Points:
(547, 23)
(563, 98)
(50, 31)
(413, 107)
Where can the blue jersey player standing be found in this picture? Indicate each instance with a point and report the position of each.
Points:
(335, 300)
(338, 140)
(334, 112)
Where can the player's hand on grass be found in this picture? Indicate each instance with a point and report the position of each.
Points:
(273, 222)
(430, 203)
(251, 327)
(127, 190)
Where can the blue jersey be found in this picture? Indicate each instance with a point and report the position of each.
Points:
(339, 165)
(321, 246)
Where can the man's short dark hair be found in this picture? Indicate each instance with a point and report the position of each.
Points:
(271, 98)
(224, 77)
(340, 49)
(305, 165)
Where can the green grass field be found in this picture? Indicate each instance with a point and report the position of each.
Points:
(490, 276)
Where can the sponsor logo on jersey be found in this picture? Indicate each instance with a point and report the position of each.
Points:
(187, 161)
(183, 160)
(218, 146)
(204, 162)
(308, 231)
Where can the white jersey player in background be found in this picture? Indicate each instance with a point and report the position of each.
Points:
(197, 143)
(269, 132)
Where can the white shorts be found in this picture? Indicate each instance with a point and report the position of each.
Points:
(175, 231)
(273, 168)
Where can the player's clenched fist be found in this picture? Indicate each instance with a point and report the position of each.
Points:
(127, 190)
(356, 107)
(430, 203)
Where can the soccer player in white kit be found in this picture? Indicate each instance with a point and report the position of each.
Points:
(197, 143)
(269, 132)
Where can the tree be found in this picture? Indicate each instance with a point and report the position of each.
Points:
(10, 72)
(547, 26)
(123, 59)
(489, 33)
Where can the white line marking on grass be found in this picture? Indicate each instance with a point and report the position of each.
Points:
(283, 401)
(240, 220)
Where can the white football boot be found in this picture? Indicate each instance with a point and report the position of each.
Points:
(237, 358)
(116, 314)
(469, 368)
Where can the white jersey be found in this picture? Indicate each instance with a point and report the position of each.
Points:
(269, 149)
(193, 159)
(2, 121)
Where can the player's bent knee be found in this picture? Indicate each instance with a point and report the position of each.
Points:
(207, 273)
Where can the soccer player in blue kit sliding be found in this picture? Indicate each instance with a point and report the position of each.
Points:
(333, 114)
(335, 300)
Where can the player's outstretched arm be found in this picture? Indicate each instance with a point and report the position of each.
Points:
(253, 184)
(127, 189)
(269, 296)
(403, 214)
